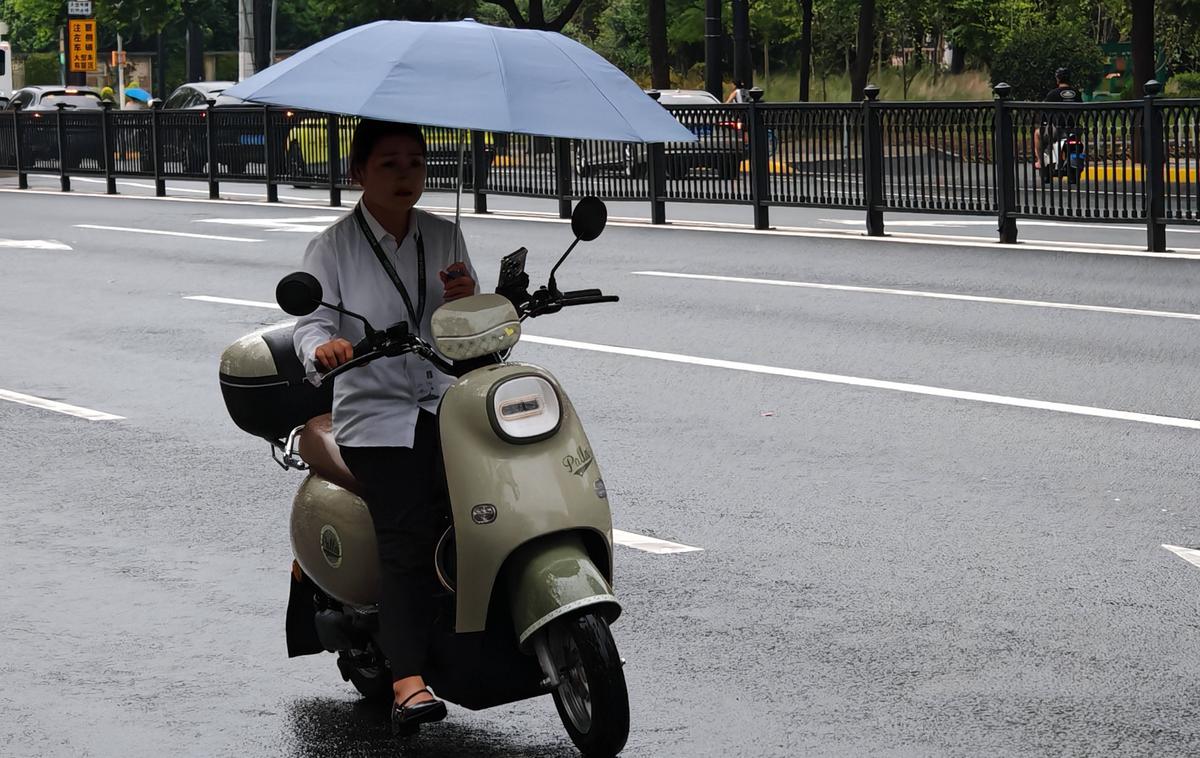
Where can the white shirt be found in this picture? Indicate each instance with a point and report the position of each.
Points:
(376, 405)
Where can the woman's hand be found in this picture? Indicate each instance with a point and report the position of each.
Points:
(457, 281)
(334, 353)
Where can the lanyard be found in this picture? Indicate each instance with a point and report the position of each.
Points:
(391, 271)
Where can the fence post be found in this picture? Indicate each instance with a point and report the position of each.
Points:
(214, 189)
(656, 174)
(22, 176)
(269, 156)
(106, 140)
(1153, 163)
(873, 161)
(760, 166)
(480, 169)
(64, 180)
(562, 170)
(333, 155)
(156, 151)
(1005, 165)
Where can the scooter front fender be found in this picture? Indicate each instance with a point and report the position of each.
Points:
(551, 577)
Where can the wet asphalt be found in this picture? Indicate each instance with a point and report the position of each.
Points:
(882, 572)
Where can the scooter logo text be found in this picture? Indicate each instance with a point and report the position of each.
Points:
(580, 462)
(331, 546)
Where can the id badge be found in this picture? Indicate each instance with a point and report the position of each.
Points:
(426, 382)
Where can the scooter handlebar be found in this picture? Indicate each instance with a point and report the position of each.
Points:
(589, 299)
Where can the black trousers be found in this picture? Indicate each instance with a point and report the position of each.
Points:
(405, 490)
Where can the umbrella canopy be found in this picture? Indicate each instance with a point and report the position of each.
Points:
(466, 75)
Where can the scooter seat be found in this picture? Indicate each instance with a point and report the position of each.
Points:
(321, 453)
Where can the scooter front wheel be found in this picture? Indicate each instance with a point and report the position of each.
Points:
(592, 699)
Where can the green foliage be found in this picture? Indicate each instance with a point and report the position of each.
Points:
(1188, 84)
(33, 24)
(42, 68)
(1028, 60)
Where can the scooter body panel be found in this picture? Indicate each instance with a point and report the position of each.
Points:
(333, 538)
(504, 493)
(551, 577)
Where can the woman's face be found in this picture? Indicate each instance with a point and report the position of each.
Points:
(393, 176)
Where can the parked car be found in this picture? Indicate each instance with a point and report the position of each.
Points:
(723, 143)
(238, 137)
(307, 150)
(40, 142)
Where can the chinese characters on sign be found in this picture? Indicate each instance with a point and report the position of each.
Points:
(81, 44)
(79, 7)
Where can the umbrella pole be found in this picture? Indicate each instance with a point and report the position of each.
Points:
(458, 195)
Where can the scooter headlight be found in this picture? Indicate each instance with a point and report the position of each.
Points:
(525, 409)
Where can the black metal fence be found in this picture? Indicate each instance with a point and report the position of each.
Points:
(1133, 161)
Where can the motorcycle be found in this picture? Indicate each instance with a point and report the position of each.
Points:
(1064, 154)
(526, 562)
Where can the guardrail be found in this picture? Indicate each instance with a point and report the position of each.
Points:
(1140, 159)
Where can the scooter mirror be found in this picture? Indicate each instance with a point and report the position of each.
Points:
(588, 218)
(298, 294)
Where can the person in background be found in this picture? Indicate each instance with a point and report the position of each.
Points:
(740, 93)
(1052, 122)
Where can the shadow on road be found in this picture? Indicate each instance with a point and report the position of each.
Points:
(331, 728)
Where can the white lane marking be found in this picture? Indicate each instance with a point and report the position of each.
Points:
(165, 234)
(302, 224)
(1078, 225)
(650, 544)
(914, 389)
(174, 188)
(232, 301)
(921, 293)
(57, 407)
(1186, 553)
(34, 244)
(818, 376)
(942, 240)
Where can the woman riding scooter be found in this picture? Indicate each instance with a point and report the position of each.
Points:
(377, 261)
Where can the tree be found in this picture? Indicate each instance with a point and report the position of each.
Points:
(806, 12)
(1143, 43)
(862, 51)
(536, 18)
(660, 73)
(1028, 60)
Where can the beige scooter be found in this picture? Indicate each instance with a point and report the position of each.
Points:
(527, 561)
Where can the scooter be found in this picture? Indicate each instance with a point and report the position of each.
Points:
(1063, 155)
(526, 563)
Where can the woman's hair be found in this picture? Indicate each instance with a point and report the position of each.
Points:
(369, 132)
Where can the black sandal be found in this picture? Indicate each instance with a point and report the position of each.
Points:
(407, 719)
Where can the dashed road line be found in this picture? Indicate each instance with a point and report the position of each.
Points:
(932, 295)
(650, 544)
(160, 232)
(57, 407)
(33, 244)
(1188, 554)
(232, 301)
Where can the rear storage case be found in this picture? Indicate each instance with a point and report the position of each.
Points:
(264, 387)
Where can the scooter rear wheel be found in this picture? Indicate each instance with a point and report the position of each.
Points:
(592, 699)
(368, 672)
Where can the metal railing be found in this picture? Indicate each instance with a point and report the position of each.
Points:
(877, 157)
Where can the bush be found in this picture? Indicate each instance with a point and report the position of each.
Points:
(42, 68)
(1028, 60)
(1189, 84)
